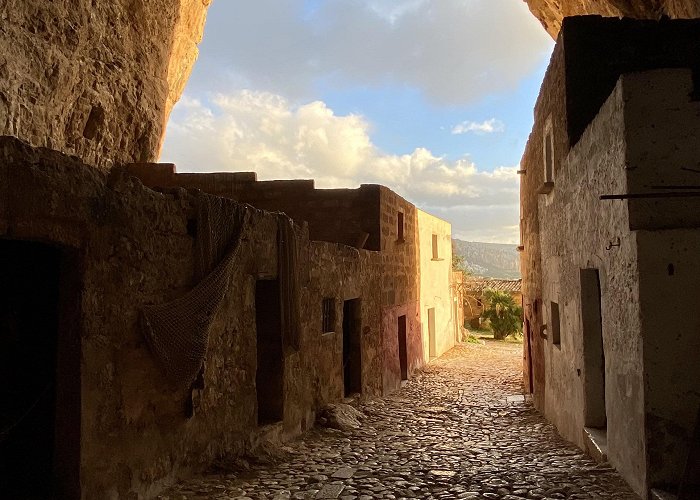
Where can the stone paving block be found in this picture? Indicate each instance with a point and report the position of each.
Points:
(330, 491)
(344, 473)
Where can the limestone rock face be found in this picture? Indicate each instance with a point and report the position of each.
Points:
(96, 79)
(551, 12)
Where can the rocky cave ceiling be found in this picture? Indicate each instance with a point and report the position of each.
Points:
(551, 12)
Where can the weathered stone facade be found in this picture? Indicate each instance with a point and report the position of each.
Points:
(125, 429)
(605, 238)
(370, 217)
(128, 246)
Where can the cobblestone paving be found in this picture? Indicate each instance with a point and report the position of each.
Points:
(454, 431)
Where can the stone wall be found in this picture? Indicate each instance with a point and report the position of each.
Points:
(400, 286)
(640, 143)
(594, 167)
(662, 134)
(95, 79)
(366, 217)
(347, 216)
(550, 107)
(134, 247)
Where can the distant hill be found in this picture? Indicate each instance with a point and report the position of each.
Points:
(491, 260)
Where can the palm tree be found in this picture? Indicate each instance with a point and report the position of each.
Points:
(505, 316)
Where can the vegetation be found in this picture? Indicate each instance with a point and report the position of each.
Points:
(504, 315)
(458, 262)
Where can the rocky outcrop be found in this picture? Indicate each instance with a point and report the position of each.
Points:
(95, 79)
(551, 12)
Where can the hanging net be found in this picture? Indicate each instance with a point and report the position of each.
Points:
(178, 331)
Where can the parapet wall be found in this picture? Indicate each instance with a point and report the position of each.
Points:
(347, 216)
(134, 246)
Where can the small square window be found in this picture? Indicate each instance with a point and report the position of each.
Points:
(435, 247)
(328, 315)
(556, 326)
(548, 157)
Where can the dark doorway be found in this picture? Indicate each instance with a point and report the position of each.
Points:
(528, 339)
(432, 346)
(593, 351)
(403, 351)
(352, 346)
(39, 372)
(269, 377)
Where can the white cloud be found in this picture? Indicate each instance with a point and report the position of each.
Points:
(453, 51)
(263, 132)
(485, 127)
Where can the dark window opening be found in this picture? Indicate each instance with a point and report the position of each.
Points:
(549, 157)
(328, 315)
(403, 348)
(269, 376)
(39, 371)
(352, 346)
(435, 247)
(556, 327)
(399, 226)
(593, 350)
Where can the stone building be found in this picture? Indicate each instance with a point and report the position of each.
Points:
(611, 234)
(152, 331)
(92, 258)
(418, 318)
(473, 295)
(441, 317)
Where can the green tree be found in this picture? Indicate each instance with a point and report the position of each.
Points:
(505, 316)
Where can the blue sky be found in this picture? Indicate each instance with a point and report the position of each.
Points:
(432, 98)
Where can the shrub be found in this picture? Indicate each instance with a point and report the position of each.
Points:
(505, 316)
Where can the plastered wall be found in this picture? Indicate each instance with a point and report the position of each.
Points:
(435, 281)
(662, 136)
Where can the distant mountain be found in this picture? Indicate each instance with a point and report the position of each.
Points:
(491, 260)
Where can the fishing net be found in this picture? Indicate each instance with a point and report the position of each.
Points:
(178, 331)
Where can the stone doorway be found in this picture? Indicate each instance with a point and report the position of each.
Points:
(528, 340)
(594, 353)
(595, 415)
(432, 346)
(403, 349)
(269, 376)
(39, 371)
(352, 346)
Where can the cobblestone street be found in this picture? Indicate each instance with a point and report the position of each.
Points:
(458, 429)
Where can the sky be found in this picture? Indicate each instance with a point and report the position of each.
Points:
(432, 98)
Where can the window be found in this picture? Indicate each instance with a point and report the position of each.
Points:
(399, 226)
(328, 315)
(435, 247)
(548, 157)
(554, 312)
